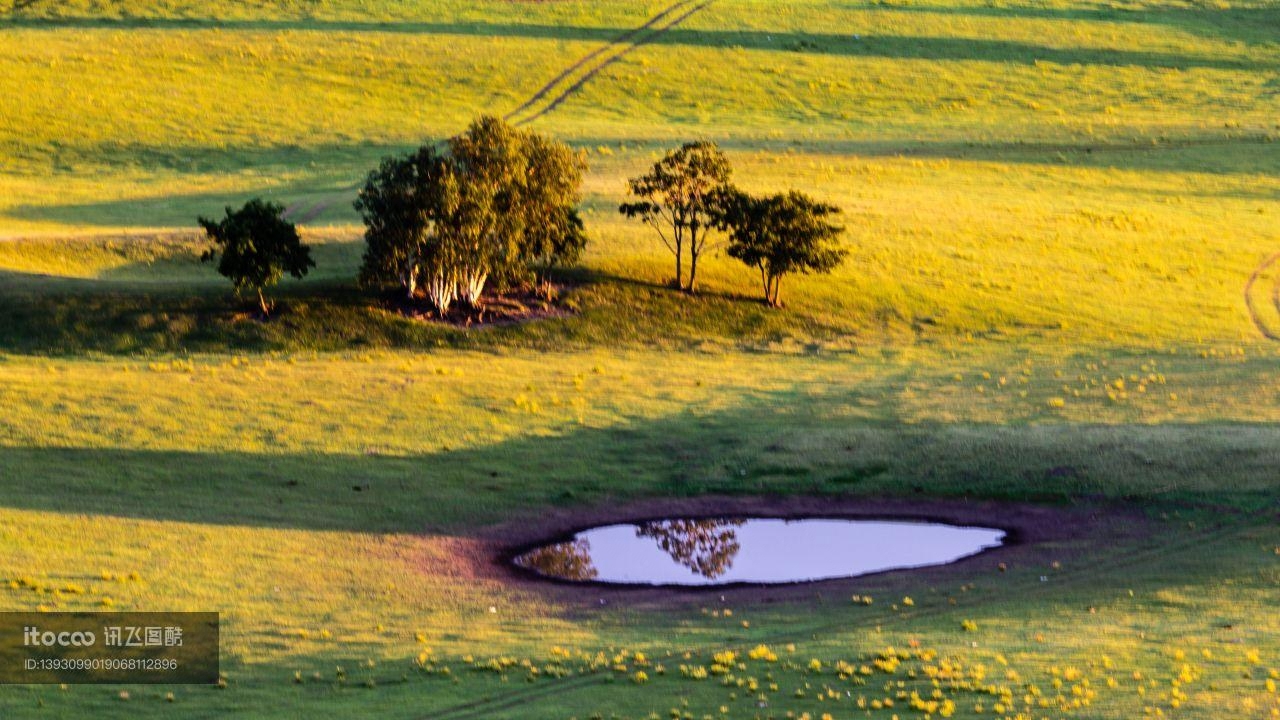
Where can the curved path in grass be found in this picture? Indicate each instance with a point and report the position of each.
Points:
(1254, 315)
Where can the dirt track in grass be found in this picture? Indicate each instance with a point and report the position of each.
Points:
(1254, 314)
(563, 86)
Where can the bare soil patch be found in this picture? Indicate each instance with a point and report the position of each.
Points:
(522, 305)
(1039, 536)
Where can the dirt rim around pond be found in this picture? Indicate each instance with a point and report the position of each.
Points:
(1037, 536)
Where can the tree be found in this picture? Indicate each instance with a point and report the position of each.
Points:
(517, 191)
(398, 204)
(255, 247)
(678, 198)
(559, 241)
(554, 234)
(495, 204)
(781, 234)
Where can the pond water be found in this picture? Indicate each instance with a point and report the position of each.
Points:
(721, 551)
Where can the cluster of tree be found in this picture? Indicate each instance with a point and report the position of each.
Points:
(495, 204)
(688, 194)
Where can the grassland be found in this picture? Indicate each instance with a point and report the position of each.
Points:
(1053, 209)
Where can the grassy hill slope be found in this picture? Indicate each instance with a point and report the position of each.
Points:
(1060, 218)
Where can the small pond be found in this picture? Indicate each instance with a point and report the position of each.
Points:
(721, 551)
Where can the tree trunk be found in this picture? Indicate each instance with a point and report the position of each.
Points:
(472, 286)
(441, 290)
(679, 261)
(262, 303)
(693, 258)
(411, 275)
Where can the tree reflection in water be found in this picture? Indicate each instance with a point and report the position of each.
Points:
(706, 547)
(569, 560)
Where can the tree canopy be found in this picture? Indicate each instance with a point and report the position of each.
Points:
(679, 197)
(496, 203)
(255, 246)
(782, 234)
(398, 204)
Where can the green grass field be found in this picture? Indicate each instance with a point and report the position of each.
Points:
(1060, 220)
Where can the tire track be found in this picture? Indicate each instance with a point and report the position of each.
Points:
(1137, 555)
(545, 89)
(485, 708)
(1275, 297)
(292, 210)
(315, 211)
(302, 212)
(636, 38)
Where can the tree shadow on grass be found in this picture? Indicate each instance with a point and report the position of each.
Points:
(154, 295)
(1207, 153)
(43, 316)
(626, 309)
(653, 287)
(1252, 25)
(783, 443)
(336, 172)
(847, 45)
(178, 306)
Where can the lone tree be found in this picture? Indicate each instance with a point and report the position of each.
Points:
(679, 198)
(782, 234)
(495, 204)
(255, 246)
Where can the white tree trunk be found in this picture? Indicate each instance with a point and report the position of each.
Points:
(472, 285)
(442, 290)
(411, 275)
(411, 281)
